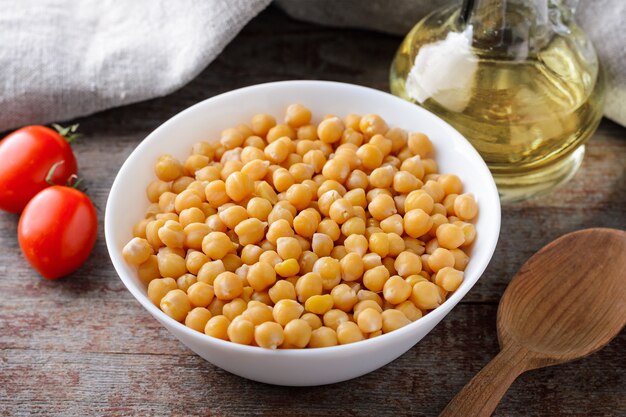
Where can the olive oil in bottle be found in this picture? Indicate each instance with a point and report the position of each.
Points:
(517, 78)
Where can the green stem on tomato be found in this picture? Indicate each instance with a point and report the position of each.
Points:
(69, 133)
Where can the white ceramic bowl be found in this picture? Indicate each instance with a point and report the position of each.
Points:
(204, 121)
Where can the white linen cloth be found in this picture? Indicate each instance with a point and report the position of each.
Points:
(61, 59)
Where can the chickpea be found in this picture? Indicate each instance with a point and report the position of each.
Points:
(297, 333)
(382, 177)
(374, 279)
(200, 294)
(269, 335)
(449, 278)
(235, 308)
(409, 310)
(330, 228)
(333, 318)
(297, 115)
(137, 251)
(417, 223)
(337, 169)
(175, 304)
(157, 288)
(210, 270)
(197, 319)
(261, 275)
(256, 169)
(370, 320)
(382, 206)
(370, 155)
(349, 332)
(282, 290)
(155, 189)
(168, 168)
(426, 296)
(262, 123)
(382, 143)
(227, 286)
(372, 124)
(308, 285)
(340, 210)
(217, 327)
(357, 180)
(407, 264)
(323, 337)
(420, 144)
(171, 265)
(465, 207)
(241, 331)
(330, 130)
(393, 320)
(306, 222)
(307, 261)
(396, 290)
(440, 258)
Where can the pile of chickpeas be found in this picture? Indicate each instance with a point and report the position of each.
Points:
(295, 234)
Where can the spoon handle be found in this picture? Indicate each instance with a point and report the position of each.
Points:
(480, 396)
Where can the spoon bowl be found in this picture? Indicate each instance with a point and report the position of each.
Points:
(566, 302)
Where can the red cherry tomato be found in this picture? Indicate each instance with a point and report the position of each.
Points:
(26, 157)
(57, 231)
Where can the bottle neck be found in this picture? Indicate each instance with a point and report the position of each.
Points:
(515, 27)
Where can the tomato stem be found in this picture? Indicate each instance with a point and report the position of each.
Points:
(69, 133)
(51, 172)
(73, 181)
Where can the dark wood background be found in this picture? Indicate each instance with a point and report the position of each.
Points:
(83, 346)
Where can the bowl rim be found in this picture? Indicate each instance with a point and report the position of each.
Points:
(432, 317)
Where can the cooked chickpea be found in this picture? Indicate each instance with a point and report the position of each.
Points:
(349, 332)
(269, 335)
(323, 337)
(465, 207)
(210, 270)
(330, 228)
(420, 144)
(426, 296)
(374, 279)
(357, 180)
(382, 206)
(336, 169)
(217, 326)
(279, 228)
(340, 210)
(450, 236)
(227, 286)
(417, 223)
(255, 169)
(157, 288)
(297, 115)
(155, 189)
(200, 294)
(370, 155)
(396, 290)
(217, 244)
(382, 177)
(306, 222)
(297, 333)
(261, 275)
(262, 123)
(370, 320)
(308, 285)
(175, 304)
(330, 130)
(168, 168)
(449, 278)
(197, 319)
(372, 124)
(393, 320)
(287, 268)
(137, 251)
(241, 331)
(440, 258)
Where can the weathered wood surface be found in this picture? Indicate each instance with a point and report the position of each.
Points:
(82, 346)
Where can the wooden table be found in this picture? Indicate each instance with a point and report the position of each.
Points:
(82, 346)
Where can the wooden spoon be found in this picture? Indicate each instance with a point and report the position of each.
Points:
(567, 301)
